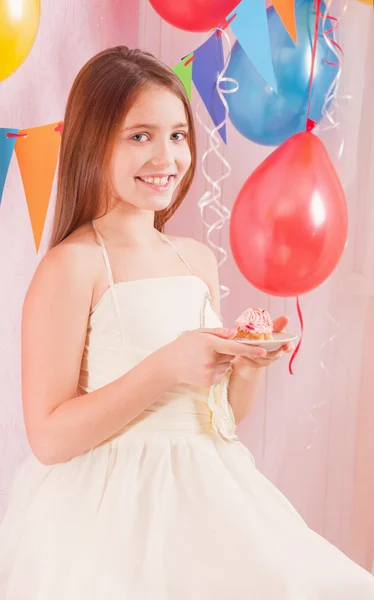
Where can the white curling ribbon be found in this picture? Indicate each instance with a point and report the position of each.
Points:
(319, 405)
(331, 102)
(211, 198)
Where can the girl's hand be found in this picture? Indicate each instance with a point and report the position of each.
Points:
(245, 365)
(202, 357)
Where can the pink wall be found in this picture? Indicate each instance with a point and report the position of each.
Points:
(331, 484)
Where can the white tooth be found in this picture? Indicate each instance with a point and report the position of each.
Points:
(156, 180)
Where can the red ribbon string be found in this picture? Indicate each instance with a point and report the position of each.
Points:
(309, 125)
(334, 42)
(301, 335)
(317, 8)
(12, 135)
(24, 135)
(189, 61)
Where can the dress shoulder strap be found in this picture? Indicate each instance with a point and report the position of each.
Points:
(105, 254)
(164, 237)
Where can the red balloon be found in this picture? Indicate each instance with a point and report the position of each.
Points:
(289, 223)
(194, 15)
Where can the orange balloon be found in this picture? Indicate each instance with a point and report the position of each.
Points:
(370, 2)
(19, 22)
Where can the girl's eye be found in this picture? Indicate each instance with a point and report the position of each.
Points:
(178, 136)
(139, 137)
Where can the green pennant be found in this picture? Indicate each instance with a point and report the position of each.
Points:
(184, 72)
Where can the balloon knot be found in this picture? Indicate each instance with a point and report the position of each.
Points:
(310, 124)
(225, 25)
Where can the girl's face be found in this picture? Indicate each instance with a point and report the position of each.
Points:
(152, 153)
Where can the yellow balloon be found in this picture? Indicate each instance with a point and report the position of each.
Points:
(371, 2)
(19, 22)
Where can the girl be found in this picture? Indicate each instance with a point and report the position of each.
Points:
(138, 487)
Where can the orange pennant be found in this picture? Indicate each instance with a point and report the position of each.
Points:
(37, 153)
(286, 12)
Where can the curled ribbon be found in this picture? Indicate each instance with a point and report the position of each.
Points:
(330, 98)
(211, 199)
(309, 125)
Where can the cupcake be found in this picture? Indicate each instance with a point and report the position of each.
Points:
(254, 324)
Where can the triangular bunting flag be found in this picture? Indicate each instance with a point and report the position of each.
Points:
(6, 152)
(184, 71)
(208, 63)
(250, 26)
(286, 12)
(37, 155)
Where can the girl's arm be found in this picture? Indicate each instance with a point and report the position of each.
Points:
(246, 377)
(243, 389)
(247, 372)
(60, 423)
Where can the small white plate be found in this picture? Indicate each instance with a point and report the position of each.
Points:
(271, 345)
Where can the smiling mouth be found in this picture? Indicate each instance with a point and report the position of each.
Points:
(158, 183)
(158, 180)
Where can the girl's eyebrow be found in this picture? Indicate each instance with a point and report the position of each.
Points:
(150, 126)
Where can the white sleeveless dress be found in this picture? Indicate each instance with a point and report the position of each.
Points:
(172, 507)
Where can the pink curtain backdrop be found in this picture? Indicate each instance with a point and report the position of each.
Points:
(332, 483)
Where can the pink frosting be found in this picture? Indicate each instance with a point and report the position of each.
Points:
(255, 320)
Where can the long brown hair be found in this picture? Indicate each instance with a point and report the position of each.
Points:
(102, 94)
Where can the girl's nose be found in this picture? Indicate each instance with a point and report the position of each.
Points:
(162, 156)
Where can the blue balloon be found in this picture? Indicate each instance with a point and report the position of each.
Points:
(268, 117)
